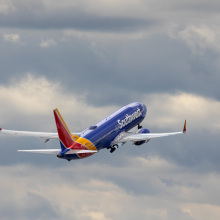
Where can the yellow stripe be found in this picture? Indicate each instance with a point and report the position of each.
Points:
(88, 144)
(75, 137)
(57, 111)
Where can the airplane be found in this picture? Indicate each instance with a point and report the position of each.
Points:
(111, 133)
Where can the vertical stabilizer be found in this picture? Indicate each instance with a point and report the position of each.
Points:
(66, 139)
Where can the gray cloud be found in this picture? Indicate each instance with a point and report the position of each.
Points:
(32, 15)
(152, 187)
(120, 70)
(141, 58)
(30, 206)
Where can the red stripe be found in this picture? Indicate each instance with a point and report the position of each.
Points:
(63, 134)
(85, 155)
(78, 146)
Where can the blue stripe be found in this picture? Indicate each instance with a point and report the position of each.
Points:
(62, 146)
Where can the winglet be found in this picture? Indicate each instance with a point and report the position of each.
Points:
(0, 129)
(184, 128)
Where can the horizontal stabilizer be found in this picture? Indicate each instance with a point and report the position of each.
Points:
(41, 151)
(56, 151)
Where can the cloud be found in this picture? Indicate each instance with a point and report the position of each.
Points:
(97, 216)
(199, 39)
(206, 211)
(12, 38)
(37, 96)
(201, 113)
(80, 16)
(47, 43)
(109, 16)
(122, 66)
(32, 97)
(6, 7)
(96, 193)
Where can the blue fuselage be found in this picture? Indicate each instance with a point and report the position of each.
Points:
(103, 133)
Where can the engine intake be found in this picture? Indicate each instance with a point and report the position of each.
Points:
(143, 131)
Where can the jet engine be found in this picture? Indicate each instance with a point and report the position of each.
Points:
(144, 131)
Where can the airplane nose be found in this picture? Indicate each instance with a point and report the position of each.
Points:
(144, 109)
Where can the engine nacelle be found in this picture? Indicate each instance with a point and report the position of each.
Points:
(144, 131)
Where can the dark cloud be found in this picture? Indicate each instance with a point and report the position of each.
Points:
(121, 70)
(197, 6)
(28, 16)
(31, 206)
(39, 207)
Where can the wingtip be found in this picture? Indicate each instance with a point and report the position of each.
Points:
(184, 128)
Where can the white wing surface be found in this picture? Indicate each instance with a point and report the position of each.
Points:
(44, 135)
(56, 151)
(128, 136)
(143, 137)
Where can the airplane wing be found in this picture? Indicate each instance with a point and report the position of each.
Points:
(45, 135)
(143, 137)
(128, 136)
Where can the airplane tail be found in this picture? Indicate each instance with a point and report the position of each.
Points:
(66, 138)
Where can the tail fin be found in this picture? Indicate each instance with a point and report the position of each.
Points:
(66, 139)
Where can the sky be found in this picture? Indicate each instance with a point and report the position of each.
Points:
(88, 59)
